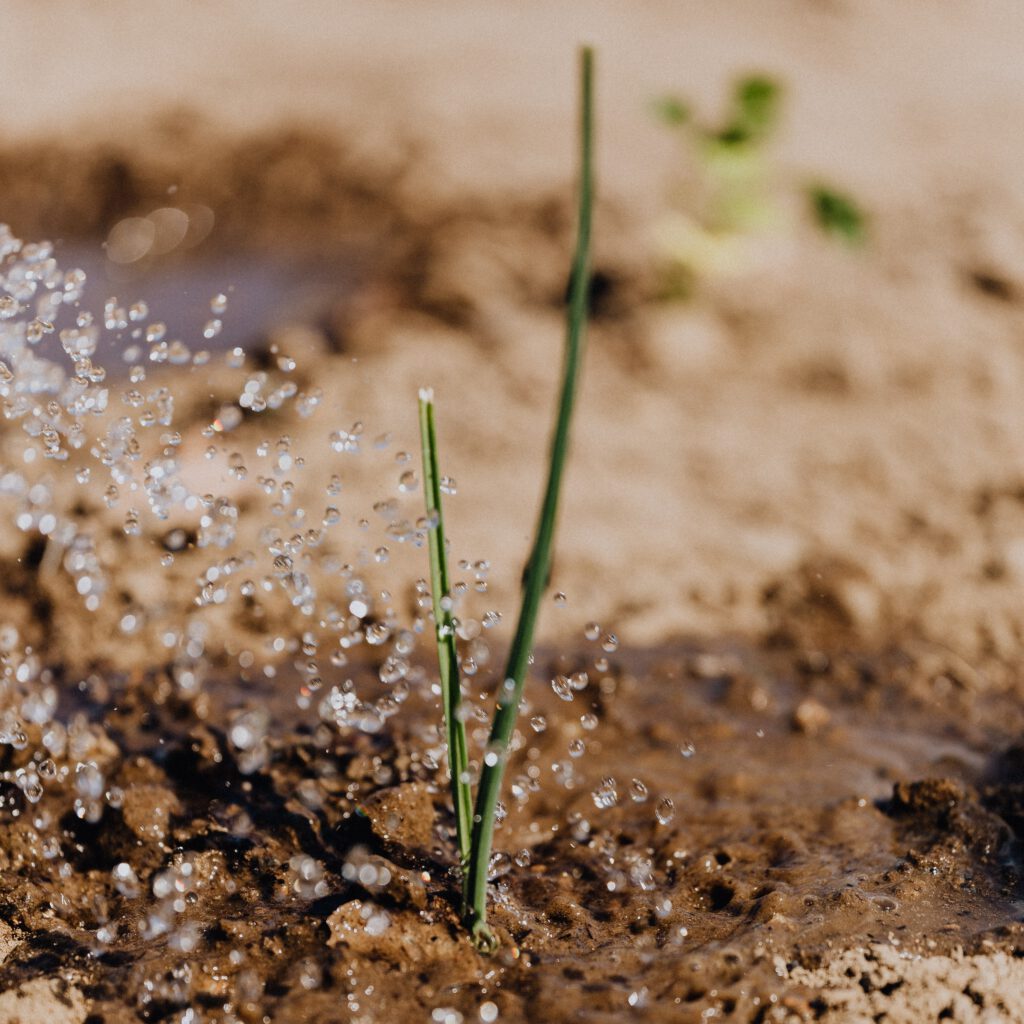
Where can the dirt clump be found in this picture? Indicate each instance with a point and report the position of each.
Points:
(904, 988)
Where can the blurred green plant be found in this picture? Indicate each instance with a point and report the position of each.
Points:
(837, 214)
(728, 196)
(754, 113)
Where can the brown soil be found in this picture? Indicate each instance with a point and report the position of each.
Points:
(795, 835)
(814, 466)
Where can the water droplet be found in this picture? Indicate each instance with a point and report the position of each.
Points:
(562, 687)
(125, 880)
(638, 999)
(665, 811)
(606, 794)
(445, 1015)
(310, 974)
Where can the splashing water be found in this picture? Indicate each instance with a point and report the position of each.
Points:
(255, 526)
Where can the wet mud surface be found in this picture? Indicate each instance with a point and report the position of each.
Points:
(818, 805)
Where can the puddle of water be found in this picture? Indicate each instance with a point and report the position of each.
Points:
(263, 294)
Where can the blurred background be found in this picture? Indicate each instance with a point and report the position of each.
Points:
(802, 415)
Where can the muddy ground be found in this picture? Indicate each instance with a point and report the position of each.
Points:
(844, 843)
(796, 498)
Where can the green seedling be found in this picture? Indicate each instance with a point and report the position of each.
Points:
(732, 198)
(444, 629)
(535, 576)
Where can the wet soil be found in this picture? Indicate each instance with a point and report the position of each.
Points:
(820, 804)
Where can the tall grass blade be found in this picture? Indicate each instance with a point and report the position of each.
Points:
(444, 631)
(539, 563)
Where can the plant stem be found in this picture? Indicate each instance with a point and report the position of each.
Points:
(444, 631)
(538, 566)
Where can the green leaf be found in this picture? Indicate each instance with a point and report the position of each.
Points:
(837, 214)
(444, 631)
(538, 566)
(757, 103)
(755, 111)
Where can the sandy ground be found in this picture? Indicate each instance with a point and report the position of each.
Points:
(708, 431)
(826, 446)
(907, 110)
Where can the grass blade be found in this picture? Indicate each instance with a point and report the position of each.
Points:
(444, 631)
(539, 564)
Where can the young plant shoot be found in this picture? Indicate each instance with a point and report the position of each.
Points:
(535, 577)
(444, 629)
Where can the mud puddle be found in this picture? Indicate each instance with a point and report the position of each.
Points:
(689, 829)
(188, 297)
